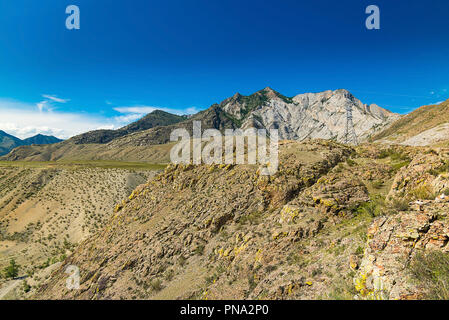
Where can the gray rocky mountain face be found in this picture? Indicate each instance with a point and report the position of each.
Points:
(309, 115)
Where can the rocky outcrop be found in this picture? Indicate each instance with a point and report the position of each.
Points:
(418, 225)
(393, 241)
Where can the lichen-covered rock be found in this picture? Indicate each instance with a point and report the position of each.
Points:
(392, 243)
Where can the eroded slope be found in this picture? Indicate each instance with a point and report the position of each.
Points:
(220, 232)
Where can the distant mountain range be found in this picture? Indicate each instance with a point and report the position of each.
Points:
(9, 142)
(310, 115)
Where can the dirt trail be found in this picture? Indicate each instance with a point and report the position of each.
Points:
(9, 286)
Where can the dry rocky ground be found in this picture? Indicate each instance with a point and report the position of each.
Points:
(333, 223)
(46, 210)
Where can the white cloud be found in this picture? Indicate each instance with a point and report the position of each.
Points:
(55, 98)
(126, 119)
(192, 110)
(107, 127)
(41, 105)
(23, 121)
(136, 109)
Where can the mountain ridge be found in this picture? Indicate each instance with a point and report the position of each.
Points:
(8, 142)
(423, 126)
(153, 119)
(311, 115)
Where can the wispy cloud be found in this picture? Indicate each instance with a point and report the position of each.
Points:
(41, 105)
(137, 109)
(47, 103)
(55, 98)
(126, 119)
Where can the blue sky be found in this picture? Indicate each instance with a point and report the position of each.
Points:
(130, 57)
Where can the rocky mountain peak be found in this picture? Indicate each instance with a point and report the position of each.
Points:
(269, 93)
(307, 115)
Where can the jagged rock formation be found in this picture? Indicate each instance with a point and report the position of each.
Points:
(393, 242)
(311, 115)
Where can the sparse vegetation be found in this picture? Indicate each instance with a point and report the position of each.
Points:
(25, 286)
(342, 288)
(441, 169)
(424, 192)
(252, 218)
(156, 285)
(375, 207)
(400, 204)
(12, 270)
(430, 270)
(350, 162)
(378, 184)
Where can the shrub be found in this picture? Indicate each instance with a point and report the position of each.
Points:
(374, 207)
(400, 204)
(431, 271)
(199, 250)
(443, 168)
(399, 165)
(359, 251)
(169, 275)
(252, 218)
(182, 261)
(25, 286)
(12, 270)
(393, 154)
(423, 193)
(156, 285)
(350, 162)
(369, 208)
(378, 184)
